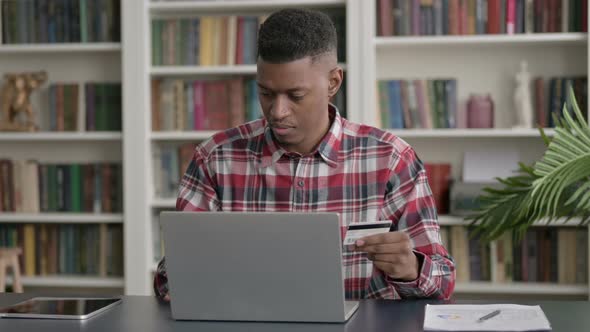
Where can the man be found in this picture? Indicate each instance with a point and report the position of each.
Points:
(303, 157)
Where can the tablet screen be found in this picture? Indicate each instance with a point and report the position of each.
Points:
(59, 307)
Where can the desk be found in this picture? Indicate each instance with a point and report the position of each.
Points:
(145, 314)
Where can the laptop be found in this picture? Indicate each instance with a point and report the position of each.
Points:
(274, 267)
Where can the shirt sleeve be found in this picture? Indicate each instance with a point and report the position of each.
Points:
(411, 207)
(196, 193)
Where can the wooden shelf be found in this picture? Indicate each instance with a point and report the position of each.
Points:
(59, 48)
(483, 287)
(479, 40)
(58, 217)
(170, 7)
(60, 136)
(71, 281)
(475, 133)
(198, 135)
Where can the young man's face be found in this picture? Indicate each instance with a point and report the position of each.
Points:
(294, 98)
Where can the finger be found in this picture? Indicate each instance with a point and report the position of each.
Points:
(167, 298)
(383, 238)
(394, 248)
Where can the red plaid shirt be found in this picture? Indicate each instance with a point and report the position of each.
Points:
(361, 172)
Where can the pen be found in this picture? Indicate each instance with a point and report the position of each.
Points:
(488, 316)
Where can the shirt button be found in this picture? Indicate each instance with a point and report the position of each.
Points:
(301, 183)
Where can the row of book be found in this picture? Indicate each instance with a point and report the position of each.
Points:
(102, 103)
(170, 164)
(31, 187)
(51, 249)
(203, 105)
(544, 254)
(205, 41)
(476, 17)
(550, 95)
(417, 103)
(60, 21)
(217, 40)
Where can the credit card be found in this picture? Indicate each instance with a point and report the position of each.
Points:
(357, 231)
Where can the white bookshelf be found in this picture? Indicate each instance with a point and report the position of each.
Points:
(481, 64)
(61, 137)
(67, 63)
(60, 48)
(140, 142)
(55, 217)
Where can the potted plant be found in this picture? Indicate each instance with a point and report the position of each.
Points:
(557, 187)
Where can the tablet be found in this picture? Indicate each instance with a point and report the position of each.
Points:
(59, 308)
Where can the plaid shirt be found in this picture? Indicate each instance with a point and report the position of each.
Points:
(361, 172)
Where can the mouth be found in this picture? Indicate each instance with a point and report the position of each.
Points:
(282, 130)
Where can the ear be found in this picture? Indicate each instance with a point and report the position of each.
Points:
(336, 77)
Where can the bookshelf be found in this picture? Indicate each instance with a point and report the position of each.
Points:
(72, 62)
(481, 64)
(139, 139)
(368, 58)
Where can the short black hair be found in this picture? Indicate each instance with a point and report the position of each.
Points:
(292, 34)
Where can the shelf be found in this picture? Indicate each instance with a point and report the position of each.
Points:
(60, 136)
(163, 203)
(492, 133)
(248, 5)
(59, 48)
(445, 220)
(525, 39)
(182, 135)
(203, 70)
(71, 281)
(207, 70)
(57, 217)
(483, 287)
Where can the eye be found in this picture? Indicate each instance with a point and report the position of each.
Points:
(264, 93)
(296, 97)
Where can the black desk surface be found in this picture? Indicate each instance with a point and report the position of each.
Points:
(145, 314)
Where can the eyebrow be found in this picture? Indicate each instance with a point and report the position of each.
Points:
(295, 89)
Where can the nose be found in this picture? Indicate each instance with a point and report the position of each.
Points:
(279, 108)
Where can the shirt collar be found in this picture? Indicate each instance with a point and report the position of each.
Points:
(328, 148)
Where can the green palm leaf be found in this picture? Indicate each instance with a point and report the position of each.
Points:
(565, 163)
(557, 186)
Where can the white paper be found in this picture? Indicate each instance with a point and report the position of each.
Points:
(463, 317)
(486, 164)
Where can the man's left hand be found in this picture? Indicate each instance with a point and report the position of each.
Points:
(391, 253)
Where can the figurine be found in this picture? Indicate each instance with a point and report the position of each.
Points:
(15, 101)
(523, 104)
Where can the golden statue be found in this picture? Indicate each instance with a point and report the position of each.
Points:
(15, 98)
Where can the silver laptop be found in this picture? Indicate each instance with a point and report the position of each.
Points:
(255, 266)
